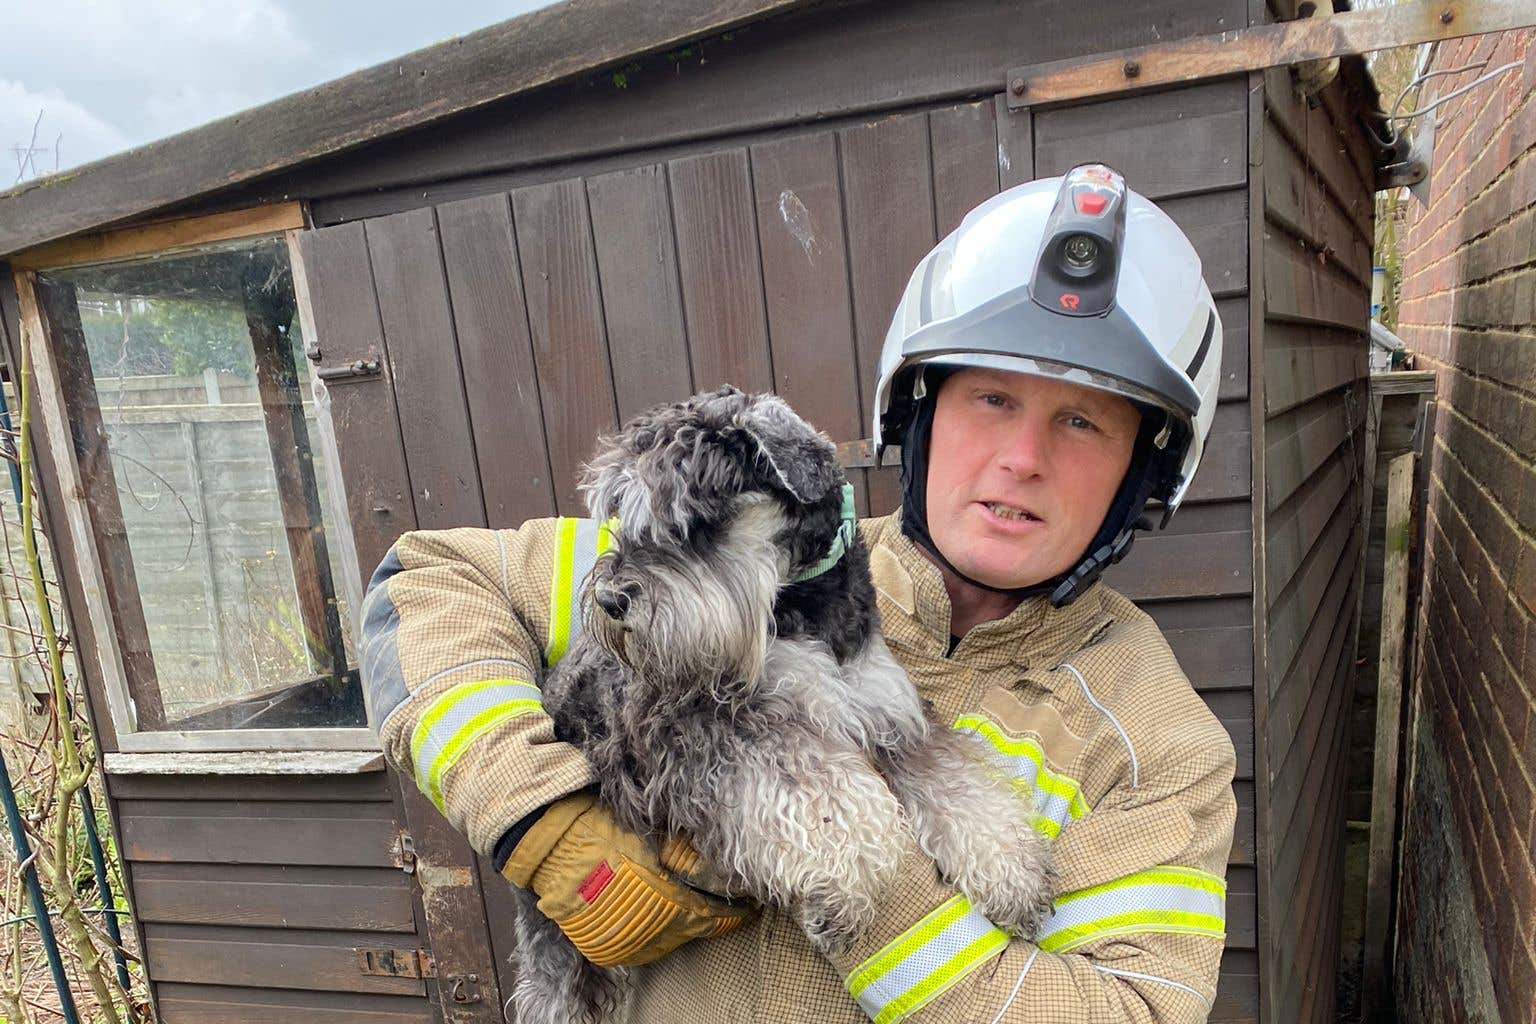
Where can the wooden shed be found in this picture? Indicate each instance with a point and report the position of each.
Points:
(412, 297)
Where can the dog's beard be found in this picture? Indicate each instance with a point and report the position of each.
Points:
(706, 621)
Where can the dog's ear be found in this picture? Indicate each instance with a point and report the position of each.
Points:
(803, 459)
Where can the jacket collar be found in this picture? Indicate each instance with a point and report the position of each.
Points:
(916, 611)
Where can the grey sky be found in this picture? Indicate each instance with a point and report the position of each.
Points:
(112, 74)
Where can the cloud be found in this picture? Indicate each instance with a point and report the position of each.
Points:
(79, 134)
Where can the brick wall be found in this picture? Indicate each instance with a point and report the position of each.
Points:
(1467, 912)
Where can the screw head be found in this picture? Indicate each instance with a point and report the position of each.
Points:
(1447, 16)
(1017, 87)
(1132, 68)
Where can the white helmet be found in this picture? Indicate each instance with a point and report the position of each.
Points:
(1075, 278)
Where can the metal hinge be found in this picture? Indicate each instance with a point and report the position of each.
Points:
(396, 963)
(403, 852)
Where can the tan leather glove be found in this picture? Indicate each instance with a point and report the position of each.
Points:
(620, 902)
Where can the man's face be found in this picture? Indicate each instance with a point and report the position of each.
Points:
(1021, 471)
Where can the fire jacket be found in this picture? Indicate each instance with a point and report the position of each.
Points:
(1085, 706)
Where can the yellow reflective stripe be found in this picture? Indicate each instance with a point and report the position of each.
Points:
(1057, 797)
(456, 717)
(1164, 899)
(560, 588)
(925, 961)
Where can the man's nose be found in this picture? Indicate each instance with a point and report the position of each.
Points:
(1026, 452)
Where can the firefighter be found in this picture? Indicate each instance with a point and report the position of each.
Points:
(1051, 370)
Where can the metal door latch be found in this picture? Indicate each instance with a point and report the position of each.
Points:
(357, 369)
(396, 963)
(404, 852)
(463, 988)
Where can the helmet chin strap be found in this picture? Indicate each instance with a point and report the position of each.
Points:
(1110, 544)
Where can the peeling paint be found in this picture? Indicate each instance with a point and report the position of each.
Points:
(1002, 157)
(798, 219)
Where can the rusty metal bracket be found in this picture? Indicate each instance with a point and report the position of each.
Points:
(463, 989)
(403, 852)
(396, 963)
(358, 369)
(1262, 46)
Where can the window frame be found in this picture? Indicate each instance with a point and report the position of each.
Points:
(52, 427)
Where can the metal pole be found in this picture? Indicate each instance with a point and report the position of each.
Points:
(88, 812)
(35, 892)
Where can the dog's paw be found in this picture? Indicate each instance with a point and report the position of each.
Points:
(832, 926)
(1014, 892)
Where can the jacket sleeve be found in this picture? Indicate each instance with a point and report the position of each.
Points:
(1137, 931)
(457, 627)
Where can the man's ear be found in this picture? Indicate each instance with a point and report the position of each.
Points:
(803, 459)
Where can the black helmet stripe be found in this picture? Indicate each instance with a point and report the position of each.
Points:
(1205, 347)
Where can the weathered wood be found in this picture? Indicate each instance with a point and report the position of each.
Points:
(1243, 833)
(1166, 144)
(490, 319)
(1295, 527)
(1175, 566)
(223, 1004)
(1300, 289)
(303, 762)
(1294, 200)
(277, 896)
(1217, 226)
(275, 838)
(340, 280)
(305, 787)
(161, 238)
(1298, 442)
(1234, 710)
(1305, 362)
(1237, 997)
(1214, 658)
(1015, 143)
(1291, 609)
(1312, 133)
(637, 266)
(888, 207)
(1404, 382)
(1257, 47)
(806, 289)
(565, 319)
(963, 141)
(424, 359)
(722, 277)
(1233, 312)
(1389, 698)
(324, 961)
(453, 76)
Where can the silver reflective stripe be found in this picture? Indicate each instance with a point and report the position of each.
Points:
(925, 961)
(1176, 900)
(1058, 799)
(383, 679)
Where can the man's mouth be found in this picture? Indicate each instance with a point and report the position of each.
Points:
(1011, 512)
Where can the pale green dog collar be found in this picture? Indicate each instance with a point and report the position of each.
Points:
(841, 541)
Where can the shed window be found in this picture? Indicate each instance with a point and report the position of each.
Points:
(195, 434)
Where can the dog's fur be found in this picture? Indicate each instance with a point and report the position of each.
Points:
(764, 719)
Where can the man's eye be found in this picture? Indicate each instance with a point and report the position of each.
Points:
(994, 399)
(1081, 423)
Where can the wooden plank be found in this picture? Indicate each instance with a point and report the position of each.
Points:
(362, 899)
(246, 763)
(1302, 363)
(1217, 226)
(324, 961)
(1295, 199)
(335, 265)
(1242, 897)
(1299, 441)
(490, 318)
(888, 207)
(426, 86)
(179, 1003)
(1300, 289)
(1237, 994)
(1292, 609)
(1256, 47)
(160, 238)
(819, 65)
(642, 293)
(964, 154)
(1015, 143)
(722, 277)
(1166, 144)
(1296, 526)
(1389, 699)
(371, 787)
(424, 355)
(1177, 566)
(1233, 312)
(1404, 382)
(570, 347)
(276, 839)
(1216, 657)
(1234, 710)
(805, 286)
(1243, 832)
(1312, 133)
(1223, 474)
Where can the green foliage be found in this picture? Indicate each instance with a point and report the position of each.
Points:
(133, 337)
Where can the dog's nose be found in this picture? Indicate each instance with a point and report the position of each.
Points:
(614, 602)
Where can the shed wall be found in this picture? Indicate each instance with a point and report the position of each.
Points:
(559, 308)
(1315, 183)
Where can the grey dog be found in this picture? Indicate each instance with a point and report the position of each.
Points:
(731, 685)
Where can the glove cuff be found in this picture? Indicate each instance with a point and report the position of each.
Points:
(542, 837)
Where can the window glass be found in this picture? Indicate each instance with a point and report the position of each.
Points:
(190, 401)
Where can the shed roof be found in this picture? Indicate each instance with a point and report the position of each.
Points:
(554, 44)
